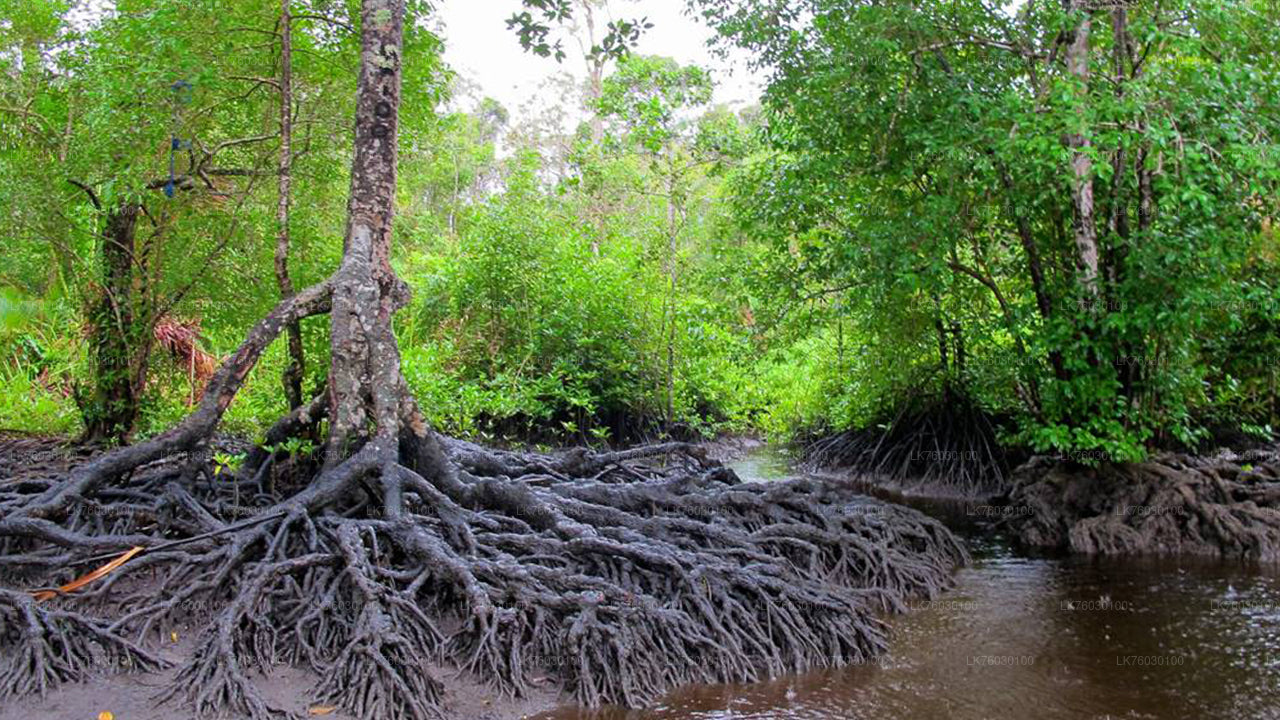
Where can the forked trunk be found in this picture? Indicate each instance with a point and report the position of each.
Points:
(364, 377)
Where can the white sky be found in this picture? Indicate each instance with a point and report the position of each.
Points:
(479, 46)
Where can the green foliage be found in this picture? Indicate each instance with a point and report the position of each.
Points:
(538, 329)
(90, 106)
(648, 94)
(38, 363)
(922, 182)
(901, 217)
(535, 24)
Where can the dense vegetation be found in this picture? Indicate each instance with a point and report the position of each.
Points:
(1062, 210)
(566, 287)
(354, 541)
(1060, 217)
(949, 231)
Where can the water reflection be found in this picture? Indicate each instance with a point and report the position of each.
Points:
(1051, 638)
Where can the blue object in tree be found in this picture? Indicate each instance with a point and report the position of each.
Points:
(182, 92)
(182, 89)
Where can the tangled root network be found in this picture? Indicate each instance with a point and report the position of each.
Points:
(620, 574)
(1226, 506)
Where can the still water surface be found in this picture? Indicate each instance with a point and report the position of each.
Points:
(1057, 638)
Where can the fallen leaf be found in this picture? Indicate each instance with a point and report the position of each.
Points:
(106, 715)
(42, 595)
(173, 636)
(320, 709)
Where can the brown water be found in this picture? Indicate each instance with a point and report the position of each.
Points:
(1035, 637)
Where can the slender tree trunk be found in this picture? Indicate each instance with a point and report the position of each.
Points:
(1118, 212)
(939, 326)
(595, 64)
(840, 342)
(293, 373)
(671, 303)
(1146, 194)
(595, 70)
(455, 201)
(1035, 267)
(1086, 233)
(111, 410)
(1118, 215)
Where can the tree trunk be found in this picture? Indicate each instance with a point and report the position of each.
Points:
(670, 309)
(595, 71)
(595, 63)
(939, 326)
(111, 410)
(293, 373)
(364, 374)
(1035, 267)
(1086, 233)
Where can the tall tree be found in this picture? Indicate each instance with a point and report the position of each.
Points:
(296, 369)
(650, 98)
(395, 548)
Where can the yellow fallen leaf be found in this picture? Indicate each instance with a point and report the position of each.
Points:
(320, 709)
(83, 580)
(106, 715)
(173, 636)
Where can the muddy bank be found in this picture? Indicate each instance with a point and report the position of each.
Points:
(1227, 505)
(132, 696)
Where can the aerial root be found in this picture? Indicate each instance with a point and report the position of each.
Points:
(947, 445)
(663, 570)
(45, 647)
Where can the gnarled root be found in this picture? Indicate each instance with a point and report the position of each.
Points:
(1171, 504)
(43, 647)
(620, 574)
(661, 571)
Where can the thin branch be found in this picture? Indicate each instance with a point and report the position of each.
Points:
(251, 78)
(322, 18)
(93, 197)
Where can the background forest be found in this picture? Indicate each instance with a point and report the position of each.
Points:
(934, 207)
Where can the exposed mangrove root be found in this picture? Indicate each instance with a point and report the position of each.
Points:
(946, 445)
(656, 570)
(45, 647)
(1226, 506)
